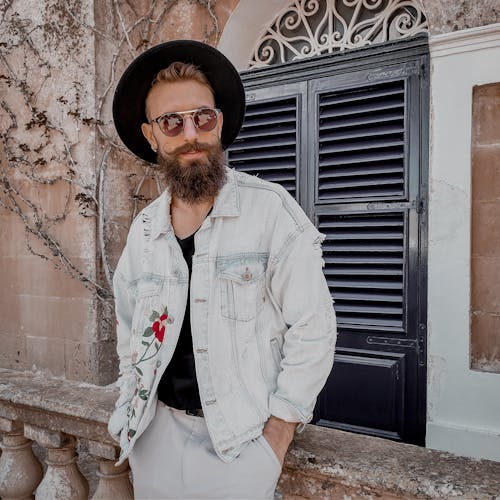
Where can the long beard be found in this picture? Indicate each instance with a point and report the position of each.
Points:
(195, 180)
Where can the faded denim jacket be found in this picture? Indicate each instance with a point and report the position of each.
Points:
(262, 318)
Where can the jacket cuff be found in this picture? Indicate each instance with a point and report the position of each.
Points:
(117, 421)
(284, 410)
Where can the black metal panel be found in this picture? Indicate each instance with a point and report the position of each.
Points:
(372, 401)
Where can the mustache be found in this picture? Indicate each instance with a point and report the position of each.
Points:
(193, 146)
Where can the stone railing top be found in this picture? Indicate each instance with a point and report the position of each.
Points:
(58, 406)
(383, 466)
(52, 394)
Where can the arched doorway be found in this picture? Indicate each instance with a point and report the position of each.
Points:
(345, 132)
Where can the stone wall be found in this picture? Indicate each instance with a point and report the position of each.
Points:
(485, 227)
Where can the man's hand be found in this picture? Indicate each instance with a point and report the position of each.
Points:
(279, 435)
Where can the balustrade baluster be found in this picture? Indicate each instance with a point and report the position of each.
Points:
(20, 470)
(62, 478)
(114, 481)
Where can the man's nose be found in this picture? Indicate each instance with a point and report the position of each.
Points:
(190, 130)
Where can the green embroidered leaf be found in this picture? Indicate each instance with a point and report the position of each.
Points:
(154, 315)
(144, 394)
(148, 332)
(145, 343)
(138, 370)
(165, 310)
(131, 433)
(133, 412)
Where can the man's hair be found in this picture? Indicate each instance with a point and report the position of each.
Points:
(179, 71)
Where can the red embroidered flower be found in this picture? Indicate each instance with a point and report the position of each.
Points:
(159, 327)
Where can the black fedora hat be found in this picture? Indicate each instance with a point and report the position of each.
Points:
(134, 85)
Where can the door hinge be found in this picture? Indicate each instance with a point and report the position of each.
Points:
(393, 342)
(420, 205)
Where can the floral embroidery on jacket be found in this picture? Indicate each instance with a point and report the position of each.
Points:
(152, 339)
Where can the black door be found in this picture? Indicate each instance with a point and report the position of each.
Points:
(347, 136)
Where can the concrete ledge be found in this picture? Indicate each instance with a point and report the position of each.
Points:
(321, 464)
(326, 463)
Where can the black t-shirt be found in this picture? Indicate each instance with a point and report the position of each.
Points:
(178, 386)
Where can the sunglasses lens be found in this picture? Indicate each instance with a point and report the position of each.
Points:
(171, 124)
(205, 119)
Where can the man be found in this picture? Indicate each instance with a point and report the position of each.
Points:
(226, 330)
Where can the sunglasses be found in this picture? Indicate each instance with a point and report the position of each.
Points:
(172, 124)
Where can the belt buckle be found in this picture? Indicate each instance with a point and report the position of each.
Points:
(195, 413)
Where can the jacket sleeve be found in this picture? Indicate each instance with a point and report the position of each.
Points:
(300, 290)
(124, 308)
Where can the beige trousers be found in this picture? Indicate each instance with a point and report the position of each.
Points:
(174, 458)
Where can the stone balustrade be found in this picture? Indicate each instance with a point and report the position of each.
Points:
(321, 463)
(56, 414)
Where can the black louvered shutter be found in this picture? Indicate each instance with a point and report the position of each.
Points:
(355, 159)
(364, 268)
(361, 142)
(269, 144)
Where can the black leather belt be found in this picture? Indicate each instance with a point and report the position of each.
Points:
(195, 413)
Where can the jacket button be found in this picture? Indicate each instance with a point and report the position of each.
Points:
(211, 402)
(199, 301)
(199, 351)
(247, 275)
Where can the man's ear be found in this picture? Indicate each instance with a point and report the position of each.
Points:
(147, 132)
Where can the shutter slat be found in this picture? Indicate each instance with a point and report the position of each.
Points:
(361, 132)
(270, 107)
(375, 181)
(265, 142)
(358, 171)
(358, 109)
(269, 120)
(396, 311)
(361, 296)
(251, 133)
(359, 158)
(257, 154)
(362, 95)
(326, 125)
(326, 147)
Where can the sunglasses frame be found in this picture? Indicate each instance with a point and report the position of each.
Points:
(183, 114)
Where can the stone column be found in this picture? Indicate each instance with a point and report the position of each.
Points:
(62, 479)
(114, 481)
(20, 470)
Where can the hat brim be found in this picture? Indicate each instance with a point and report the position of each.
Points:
(135, 83)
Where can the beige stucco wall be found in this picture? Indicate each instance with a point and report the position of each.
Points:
(70, 185)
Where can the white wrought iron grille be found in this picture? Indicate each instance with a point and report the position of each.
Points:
(308, 28)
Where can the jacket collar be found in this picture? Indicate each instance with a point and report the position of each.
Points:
(226, 204)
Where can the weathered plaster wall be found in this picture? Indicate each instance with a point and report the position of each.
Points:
(445, 16)
(463, 404)
(68, 189)
(47, 249)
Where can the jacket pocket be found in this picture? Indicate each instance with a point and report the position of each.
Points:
(242, 288)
